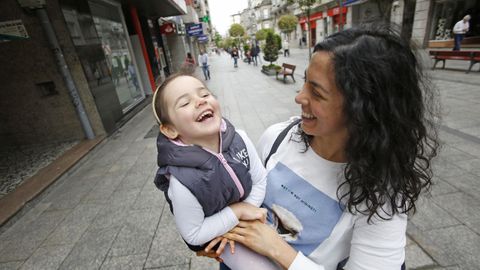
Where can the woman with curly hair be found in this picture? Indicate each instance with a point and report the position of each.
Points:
(345, 178)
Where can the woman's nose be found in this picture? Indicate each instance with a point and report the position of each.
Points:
(300, 98)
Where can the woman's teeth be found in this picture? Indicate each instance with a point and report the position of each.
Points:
(307, 115)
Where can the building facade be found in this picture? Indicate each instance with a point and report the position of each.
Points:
(109, 63)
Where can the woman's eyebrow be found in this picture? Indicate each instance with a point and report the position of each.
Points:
(319, 86)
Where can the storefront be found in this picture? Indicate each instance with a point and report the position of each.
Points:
(445, 13)
(339, 17)
(99, 34)
(313, 26)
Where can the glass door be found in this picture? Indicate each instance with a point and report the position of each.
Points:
(111, 29)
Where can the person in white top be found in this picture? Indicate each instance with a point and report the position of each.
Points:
(459, 31)
(286, 48)
(203, 63)
(341, 183)
(210, 172)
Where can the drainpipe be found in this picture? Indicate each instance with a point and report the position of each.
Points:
(39, 8)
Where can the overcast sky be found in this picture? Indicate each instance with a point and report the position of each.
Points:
(221, 13)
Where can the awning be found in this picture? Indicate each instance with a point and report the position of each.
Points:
(158, 8)
(347, 3)
(313, 17)
(336, 11)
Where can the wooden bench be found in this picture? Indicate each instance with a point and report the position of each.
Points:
(472, 56)
(287, 70)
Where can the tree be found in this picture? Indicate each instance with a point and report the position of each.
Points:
(217, 38)
(306, 7)
(236, 30)
(278, 41)
(287, 23)
(262, 33)
(271, 50)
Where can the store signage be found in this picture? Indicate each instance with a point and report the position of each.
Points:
(11, 30)
(202, 38)
(194, 30)
(205, 18)
(336, 11)
(313, 17)
(167, 28)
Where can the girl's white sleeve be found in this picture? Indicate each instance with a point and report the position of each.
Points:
(194, 227)
(257, 172)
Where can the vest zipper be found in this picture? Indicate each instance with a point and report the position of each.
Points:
(227, 167)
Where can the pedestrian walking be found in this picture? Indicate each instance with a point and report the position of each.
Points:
(210, 173)
(254, 51)
(324, 170)
(203, 62)
(234, 55)
(286, 48)
(459, 31)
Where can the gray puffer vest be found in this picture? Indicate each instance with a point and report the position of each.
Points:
(215, 179)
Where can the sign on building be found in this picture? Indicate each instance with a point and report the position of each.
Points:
(11, 30)
(202, 39)
(194, 30)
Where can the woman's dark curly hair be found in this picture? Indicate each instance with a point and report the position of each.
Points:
(390, 108)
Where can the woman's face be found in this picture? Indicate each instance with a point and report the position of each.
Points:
(321, 101)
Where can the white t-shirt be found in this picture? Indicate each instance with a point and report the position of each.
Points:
(194, 227)
(302, 190)
(461, 27)
(203, 59)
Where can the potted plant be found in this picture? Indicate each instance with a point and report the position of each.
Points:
(270, 55)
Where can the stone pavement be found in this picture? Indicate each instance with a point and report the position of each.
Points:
(106, 213)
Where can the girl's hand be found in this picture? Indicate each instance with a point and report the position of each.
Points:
(212, 254)
(246, 211)
(264, 240)
(223, 242)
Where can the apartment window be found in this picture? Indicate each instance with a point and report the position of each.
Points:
(265, 13)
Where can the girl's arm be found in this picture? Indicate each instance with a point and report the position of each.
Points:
(195, 228)
(257, 172)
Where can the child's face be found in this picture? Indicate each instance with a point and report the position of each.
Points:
(193, 111)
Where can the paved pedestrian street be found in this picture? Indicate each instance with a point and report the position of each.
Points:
(106, 213)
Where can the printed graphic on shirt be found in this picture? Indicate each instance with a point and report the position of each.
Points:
(242, 157)
(316, 214)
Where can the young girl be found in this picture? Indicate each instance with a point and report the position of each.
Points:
(210, 172)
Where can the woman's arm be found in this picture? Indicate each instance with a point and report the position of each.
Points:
(262, 239)
(378, 245)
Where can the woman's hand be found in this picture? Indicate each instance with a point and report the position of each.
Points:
(264, 240)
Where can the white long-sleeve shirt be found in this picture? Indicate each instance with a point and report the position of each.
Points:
(302, 197)
(194, 227)
(202, 59)
(461, 27)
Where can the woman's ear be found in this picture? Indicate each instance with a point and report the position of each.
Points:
(168, 131)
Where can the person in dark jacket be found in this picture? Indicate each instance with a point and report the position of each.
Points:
(210, 173)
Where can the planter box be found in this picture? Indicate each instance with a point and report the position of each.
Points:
(269, 72)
